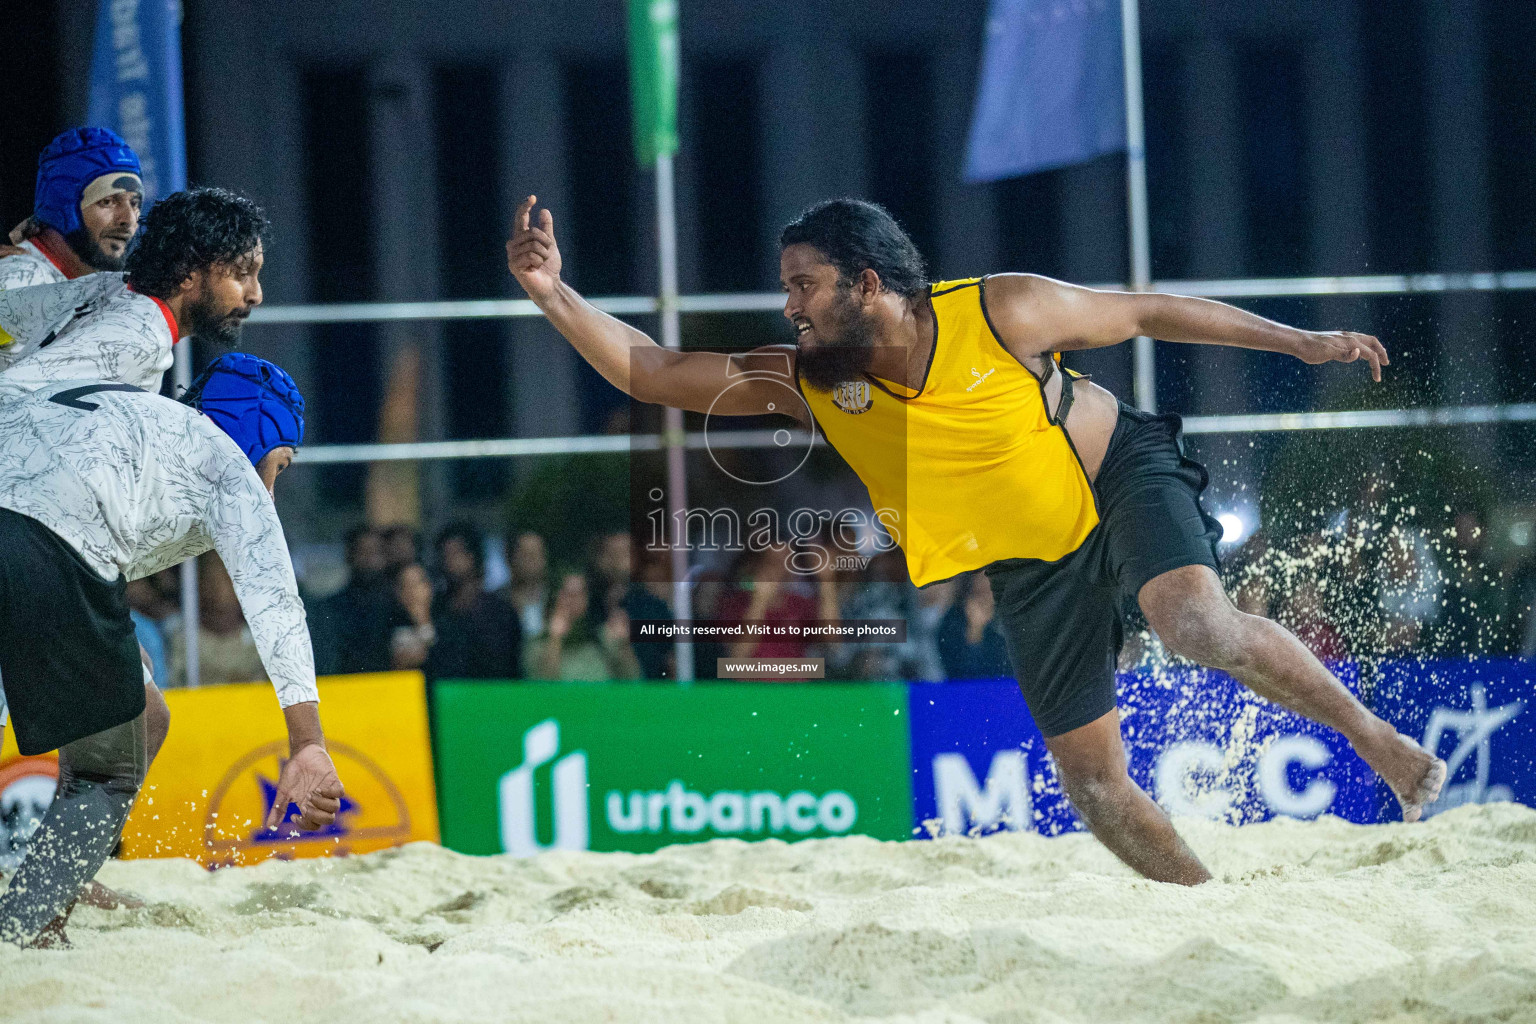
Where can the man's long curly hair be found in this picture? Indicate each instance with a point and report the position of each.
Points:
(185, 232)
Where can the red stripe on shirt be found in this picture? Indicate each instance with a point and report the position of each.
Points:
(165, 311)
(42, 245)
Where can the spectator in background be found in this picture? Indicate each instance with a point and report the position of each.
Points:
(1523, 596)
(402, 546)
(1304, 615)
(478, 634)
(768, 590)
(226, 650)
(351, 628)
(1477, 599)
(152, 602)
(610, 583)
(969, 640)
(528, 590)
(412, 635)
(881, 592)
(571, 650)
(932, 604)
(650, 597)
(1411, 586)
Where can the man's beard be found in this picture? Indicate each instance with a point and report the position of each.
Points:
(206, 322)
(841, 354)
(92, 254)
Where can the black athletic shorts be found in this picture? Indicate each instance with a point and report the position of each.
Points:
(69, 660)
(1062, 619)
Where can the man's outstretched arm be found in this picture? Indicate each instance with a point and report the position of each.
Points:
(1036, 315)
(746, 384)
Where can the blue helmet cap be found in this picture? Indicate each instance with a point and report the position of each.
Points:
(253, 401)
(70, 163)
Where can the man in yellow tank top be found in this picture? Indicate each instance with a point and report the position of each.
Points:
(949, 402)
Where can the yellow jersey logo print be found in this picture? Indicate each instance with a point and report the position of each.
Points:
(979, 377)
(852, 396)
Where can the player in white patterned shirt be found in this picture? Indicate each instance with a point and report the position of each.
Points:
(84, 214)
(193, 270)
(102, 483)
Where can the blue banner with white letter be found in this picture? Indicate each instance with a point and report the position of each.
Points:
(1478, 715)
(136, 86)
(1198, 741)
(1052, 89)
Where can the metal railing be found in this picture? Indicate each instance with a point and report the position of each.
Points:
(760, 302)
(757, 302)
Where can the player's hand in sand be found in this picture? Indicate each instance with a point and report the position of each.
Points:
(1342, 347)
(532, 255)
(308, 780)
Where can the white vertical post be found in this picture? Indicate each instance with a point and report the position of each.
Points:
(181, 376)
(677, 470)
(1136, 189)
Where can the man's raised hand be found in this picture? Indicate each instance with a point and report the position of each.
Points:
(532, 255)
(1343, 347)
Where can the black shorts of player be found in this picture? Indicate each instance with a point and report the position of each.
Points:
(1062, 619)
(69, 660)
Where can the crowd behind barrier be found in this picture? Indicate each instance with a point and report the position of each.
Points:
(1348, 590)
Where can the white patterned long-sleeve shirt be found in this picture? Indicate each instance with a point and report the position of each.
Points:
(137, 483)
(29, 267)
(92, 328)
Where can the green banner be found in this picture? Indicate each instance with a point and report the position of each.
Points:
(653, 64)
(525, 767)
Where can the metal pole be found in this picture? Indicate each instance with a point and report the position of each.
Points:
(677, 470)
(1136, 189)
(181, 376)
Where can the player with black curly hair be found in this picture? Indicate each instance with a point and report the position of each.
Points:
(193, 271)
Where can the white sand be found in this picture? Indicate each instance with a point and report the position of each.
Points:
(1306, 922)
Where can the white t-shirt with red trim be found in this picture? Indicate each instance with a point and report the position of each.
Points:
(29, 267)
(92, 328)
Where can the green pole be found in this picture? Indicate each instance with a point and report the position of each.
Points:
(653, 64)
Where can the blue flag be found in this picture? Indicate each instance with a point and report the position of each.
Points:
(1052, 87)
(136, 86)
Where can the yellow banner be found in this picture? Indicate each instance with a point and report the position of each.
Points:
(209, 790)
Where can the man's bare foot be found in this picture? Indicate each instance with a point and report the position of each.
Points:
(53, 936)
(1414, 774)
(94, 894)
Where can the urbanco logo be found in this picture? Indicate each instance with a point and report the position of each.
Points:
(519, 820)
(675, 810)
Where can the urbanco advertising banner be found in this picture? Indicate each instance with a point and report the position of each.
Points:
(1478, 715)
(1198, 741)
(527, 767)
(209, 791)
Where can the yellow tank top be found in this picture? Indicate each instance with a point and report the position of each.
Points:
(969, 469)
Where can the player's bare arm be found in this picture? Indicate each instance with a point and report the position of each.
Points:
(1037, 314)
(744, 384)
(308, 779)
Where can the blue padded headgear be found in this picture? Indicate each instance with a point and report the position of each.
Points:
(253, 401)
(70, 163)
